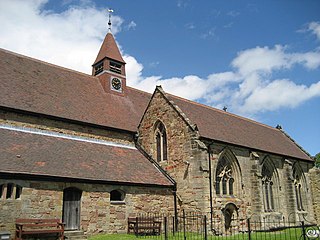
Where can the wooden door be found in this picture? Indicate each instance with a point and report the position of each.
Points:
(71, 208)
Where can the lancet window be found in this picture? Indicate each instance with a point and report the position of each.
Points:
(161, 142)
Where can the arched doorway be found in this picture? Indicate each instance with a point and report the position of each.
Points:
(230, 212)
(71, 208)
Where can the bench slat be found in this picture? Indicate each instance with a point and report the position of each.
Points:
(24, 220)
(42, 231)
(38, 225)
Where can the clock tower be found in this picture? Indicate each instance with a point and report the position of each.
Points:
(109, 65)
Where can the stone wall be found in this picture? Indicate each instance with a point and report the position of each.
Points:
(43, 123)
(186, 154)
(315, 188)
(249, 198)
(42, 199)
(188, 165)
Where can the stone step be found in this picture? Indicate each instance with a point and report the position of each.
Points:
(74, 235)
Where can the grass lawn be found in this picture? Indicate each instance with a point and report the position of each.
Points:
(113, 237)
(290, 234)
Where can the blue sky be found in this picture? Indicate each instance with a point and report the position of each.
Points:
(261, 59)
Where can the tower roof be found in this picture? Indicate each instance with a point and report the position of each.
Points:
(109, 49)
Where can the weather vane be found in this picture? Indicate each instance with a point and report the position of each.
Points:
(109, 23)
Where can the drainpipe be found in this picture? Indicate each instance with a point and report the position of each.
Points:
(175, 208)
(210, 185)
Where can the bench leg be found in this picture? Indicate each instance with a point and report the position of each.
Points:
(18, 236)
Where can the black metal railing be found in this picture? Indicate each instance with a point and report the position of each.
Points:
(197, 226)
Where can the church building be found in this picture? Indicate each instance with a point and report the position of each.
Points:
(92, 151)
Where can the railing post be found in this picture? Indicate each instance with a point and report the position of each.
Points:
(165, 228)
(249, 229)
(205, 227)
(136, 227)
(184, 225)
(303, 231)
(173, 226)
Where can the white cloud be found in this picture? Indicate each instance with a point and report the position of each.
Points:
(190, 25)
(132, 25)
(257, 92)
(314, 27)
(266, 60)
(280, 93)
(72, 39)
(67, 38)
(233, 13)
(209, 34)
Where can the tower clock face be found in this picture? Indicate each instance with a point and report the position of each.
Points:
(116, 84)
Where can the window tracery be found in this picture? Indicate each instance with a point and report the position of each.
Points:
(267, 188)
(225, 177)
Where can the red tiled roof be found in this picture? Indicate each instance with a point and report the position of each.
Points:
(229, 128)
(109, 49)
(35, 86)
(35, 154)
(32, 85)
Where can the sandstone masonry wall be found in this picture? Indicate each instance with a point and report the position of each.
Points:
(40, 199)
(315, 187)
(186, 154)
(41, 123)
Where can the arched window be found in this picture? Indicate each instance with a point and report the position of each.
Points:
(161, 142)
(226, 176)
(268, 185)
(299, 185)
(117, 195)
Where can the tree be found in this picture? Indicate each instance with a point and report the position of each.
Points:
(317, 160)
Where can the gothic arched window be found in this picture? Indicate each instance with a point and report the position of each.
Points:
(298, 187)
(161, 142)
(268, 186)
(226, 177)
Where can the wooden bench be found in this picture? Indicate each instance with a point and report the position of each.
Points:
(38, 226)
(144, 226)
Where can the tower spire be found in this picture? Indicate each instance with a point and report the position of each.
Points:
(109, 66)
(109, 23)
